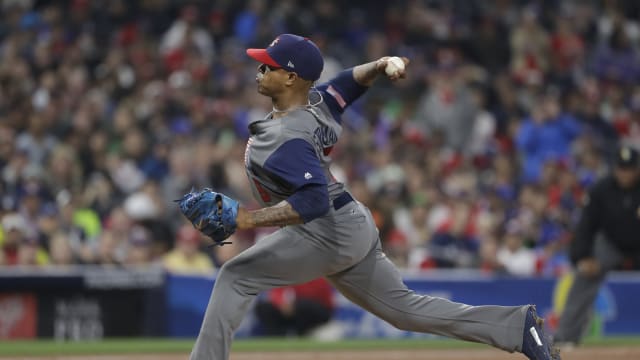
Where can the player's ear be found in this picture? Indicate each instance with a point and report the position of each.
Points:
(291, 78)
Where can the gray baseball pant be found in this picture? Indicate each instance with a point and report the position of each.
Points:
(345, 249)
(578, 308)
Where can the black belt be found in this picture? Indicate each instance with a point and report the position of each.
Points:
(342, 200)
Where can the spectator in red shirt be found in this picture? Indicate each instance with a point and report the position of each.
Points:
(295, 309)
(14, 227)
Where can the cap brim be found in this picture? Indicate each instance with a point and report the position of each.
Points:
(262, 56)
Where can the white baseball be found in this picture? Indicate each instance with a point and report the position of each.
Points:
(394, 64)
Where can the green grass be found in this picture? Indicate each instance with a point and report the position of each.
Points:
(139, 346)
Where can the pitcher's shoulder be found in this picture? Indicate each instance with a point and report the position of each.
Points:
(301, 121)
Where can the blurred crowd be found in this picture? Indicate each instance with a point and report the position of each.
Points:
(111, 109)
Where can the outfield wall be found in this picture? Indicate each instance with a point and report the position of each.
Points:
(617, 310)
(82, 303)
(90, 303)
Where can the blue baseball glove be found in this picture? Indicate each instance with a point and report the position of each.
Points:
(213, 214)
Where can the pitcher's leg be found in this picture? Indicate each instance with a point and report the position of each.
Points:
(277, 260)
(376, 285)
(226, 309)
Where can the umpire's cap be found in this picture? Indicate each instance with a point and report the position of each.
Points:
(293, 53)
(627, 157)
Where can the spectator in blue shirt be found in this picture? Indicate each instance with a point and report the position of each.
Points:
(545, 136)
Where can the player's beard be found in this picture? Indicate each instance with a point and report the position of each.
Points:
(261, 88)
(267, 88)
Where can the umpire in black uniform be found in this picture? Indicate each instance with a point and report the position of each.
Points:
(607, 238)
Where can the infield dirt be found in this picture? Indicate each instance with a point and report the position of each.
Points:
(586, 353)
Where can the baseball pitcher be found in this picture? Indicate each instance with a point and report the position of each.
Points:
(324, 230)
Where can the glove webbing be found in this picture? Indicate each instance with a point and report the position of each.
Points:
(190, 203)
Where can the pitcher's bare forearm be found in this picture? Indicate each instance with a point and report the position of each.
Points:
(280, 214)
(365, 74)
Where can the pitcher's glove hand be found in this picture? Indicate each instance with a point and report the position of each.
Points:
(214, 214)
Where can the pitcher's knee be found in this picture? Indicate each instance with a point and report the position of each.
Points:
(397, 324)
(234, 274)
(407, 322)
(408, 325)
(397, 320)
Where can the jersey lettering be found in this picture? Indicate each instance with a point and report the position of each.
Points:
(324, 138)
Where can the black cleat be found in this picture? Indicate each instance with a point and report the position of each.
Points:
(535, 345)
